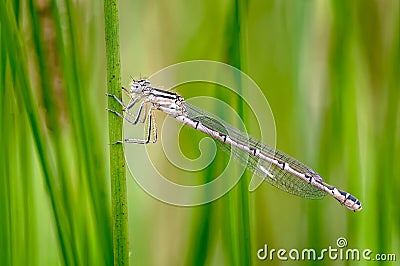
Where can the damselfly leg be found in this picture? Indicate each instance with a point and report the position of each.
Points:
(125, 107)
(143, 114)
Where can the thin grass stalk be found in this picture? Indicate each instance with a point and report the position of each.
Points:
(302, 14)
(11, 180)
(387, 142)
(6, 243)
(393, 108)
(244, 222)
(385, 150)
(238, 212)
(117, 161)
(201, 245)
(27, 196)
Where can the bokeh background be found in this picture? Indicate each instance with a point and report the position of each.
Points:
(329, 69)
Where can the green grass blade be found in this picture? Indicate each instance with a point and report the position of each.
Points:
(238, 212)
(117, 161)
(5, 223)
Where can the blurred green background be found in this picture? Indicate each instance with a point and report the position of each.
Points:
(329, 69)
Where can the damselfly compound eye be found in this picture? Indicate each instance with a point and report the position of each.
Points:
(136, 87)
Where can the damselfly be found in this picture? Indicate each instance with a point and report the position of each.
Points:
(274, 166)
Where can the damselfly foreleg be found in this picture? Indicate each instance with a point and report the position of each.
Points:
(125, 108)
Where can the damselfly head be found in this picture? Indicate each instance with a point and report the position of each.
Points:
(137, 86)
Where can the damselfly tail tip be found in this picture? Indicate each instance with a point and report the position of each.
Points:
(355, 208)
(351, 203)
